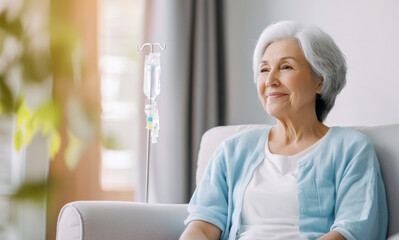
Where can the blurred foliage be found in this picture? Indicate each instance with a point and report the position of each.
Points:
(110, 142)
(32, 57)
(18, 52)
(26, 51)
(35, 191)
(6, 103)
(45, 118)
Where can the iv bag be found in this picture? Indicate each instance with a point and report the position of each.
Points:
(152, 73)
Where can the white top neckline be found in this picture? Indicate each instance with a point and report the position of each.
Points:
(270, 204)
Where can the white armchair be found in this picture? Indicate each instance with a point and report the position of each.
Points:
(101, 220)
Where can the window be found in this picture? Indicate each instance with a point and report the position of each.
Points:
(9, 163)
(10, 177)
(120, 27)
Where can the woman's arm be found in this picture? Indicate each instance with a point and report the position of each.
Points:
(360, 206)
(333, 235)
(200, 230)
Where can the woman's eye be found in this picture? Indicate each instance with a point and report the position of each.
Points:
(264, 70)
(286, 67)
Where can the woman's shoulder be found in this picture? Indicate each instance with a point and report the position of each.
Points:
(348, 137)
(349, 146)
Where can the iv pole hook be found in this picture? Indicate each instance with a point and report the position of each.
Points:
(151, 45)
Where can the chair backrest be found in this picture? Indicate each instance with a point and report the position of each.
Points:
(385, 140)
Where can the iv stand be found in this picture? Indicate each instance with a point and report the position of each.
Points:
(147, 176)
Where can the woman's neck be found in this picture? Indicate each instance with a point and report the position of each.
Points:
(292, 132)
(290, 137)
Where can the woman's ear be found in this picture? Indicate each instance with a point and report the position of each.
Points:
(319, 85)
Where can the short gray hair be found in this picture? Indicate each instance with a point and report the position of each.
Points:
(325, 58)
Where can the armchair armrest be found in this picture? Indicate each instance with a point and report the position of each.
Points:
(394, 237)
(104, 220)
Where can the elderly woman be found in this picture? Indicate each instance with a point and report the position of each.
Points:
(299, 179)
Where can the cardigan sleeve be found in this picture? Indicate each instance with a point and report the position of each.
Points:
(209, 202)
(361, 207)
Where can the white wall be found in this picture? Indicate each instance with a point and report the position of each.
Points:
(366, 31)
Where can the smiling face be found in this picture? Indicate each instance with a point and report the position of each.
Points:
(285, 84)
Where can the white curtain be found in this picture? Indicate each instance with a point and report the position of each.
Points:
(192, 92)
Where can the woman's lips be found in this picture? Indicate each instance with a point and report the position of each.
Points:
(276, 95)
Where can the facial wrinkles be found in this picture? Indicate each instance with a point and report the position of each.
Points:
(278, 70)
(273, 60)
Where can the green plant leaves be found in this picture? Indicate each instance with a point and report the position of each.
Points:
(13, 27)
(6, 97)
(23, 130)
(31, 56)
(45, 119)
(54, 144)
(32, 191)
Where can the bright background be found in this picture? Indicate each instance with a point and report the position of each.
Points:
(366, 31)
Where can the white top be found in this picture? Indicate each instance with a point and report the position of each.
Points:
(270, 206)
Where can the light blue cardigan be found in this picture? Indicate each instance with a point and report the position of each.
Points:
(339, 186)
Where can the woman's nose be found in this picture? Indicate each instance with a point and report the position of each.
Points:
(272, 79)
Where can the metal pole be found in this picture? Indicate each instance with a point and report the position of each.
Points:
(147, 180)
